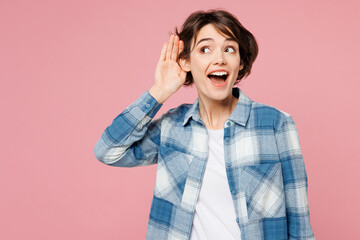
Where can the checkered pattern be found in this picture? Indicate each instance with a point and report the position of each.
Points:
(264, 166)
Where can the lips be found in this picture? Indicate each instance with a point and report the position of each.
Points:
(219, 72)
(218, 77)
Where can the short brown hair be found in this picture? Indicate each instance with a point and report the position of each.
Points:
(225, 23)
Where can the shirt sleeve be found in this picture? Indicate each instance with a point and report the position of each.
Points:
(295, 181)
(133, 138)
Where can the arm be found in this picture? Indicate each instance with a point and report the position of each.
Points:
(295, 181)
(132, 139)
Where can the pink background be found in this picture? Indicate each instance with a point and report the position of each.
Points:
(67, 68)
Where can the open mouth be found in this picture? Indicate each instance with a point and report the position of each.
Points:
(218, 79)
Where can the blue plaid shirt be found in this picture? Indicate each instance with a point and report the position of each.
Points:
(264, 166)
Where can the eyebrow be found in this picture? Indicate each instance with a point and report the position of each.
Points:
(210, 39)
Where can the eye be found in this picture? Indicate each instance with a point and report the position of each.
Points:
(205, 49)
(230, 49)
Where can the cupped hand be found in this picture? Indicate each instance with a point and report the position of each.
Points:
(169, 76)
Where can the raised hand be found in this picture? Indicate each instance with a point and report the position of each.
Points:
(169, 76)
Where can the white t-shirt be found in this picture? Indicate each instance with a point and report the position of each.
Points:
(215, 214)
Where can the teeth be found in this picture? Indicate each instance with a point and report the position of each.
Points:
(218, 73)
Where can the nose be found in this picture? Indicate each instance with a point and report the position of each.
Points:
(219, 58)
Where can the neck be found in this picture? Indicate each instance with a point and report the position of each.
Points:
(215, 113)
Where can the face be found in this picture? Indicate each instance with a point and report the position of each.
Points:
(214, 64)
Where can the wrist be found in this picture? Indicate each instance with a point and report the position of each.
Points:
(158, 94)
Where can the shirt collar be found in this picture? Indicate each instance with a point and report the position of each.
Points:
(240, 115)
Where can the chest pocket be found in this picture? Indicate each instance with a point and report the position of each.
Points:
(264, 190)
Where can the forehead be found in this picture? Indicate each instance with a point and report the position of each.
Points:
(210, 31)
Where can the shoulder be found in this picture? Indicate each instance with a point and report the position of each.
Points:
(267, 116)
(176, 115)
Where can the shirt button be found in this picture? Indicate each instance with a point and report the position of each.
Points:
(228, 123)
(227, 139)
(228, 164)
(147, 105)
(237, 220)
(233, 192)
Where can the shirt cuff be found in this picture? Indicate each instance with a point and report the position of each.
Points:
(148, 104)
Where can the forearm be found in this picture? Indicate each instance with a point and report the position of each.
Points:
(127, 128)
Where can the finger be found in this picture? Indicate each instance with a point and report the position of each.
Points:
(163, 51)
(175, 49)
(181, 46)
(169, 48)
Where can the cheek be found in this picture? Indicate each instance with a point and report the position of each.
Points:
(198, 66)
(235, 63)
(202, 62)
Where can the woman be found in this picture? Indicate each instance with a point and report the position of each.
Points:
(228, 167)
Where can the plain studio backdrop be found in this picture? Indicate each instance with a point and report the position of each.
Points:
(68, 68)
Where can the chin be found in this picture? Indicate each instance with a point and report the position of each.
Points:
(220, 95)
(214, 93)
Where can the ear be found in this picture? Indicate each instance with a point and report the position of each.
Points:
(184, 64)
(241, 67)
